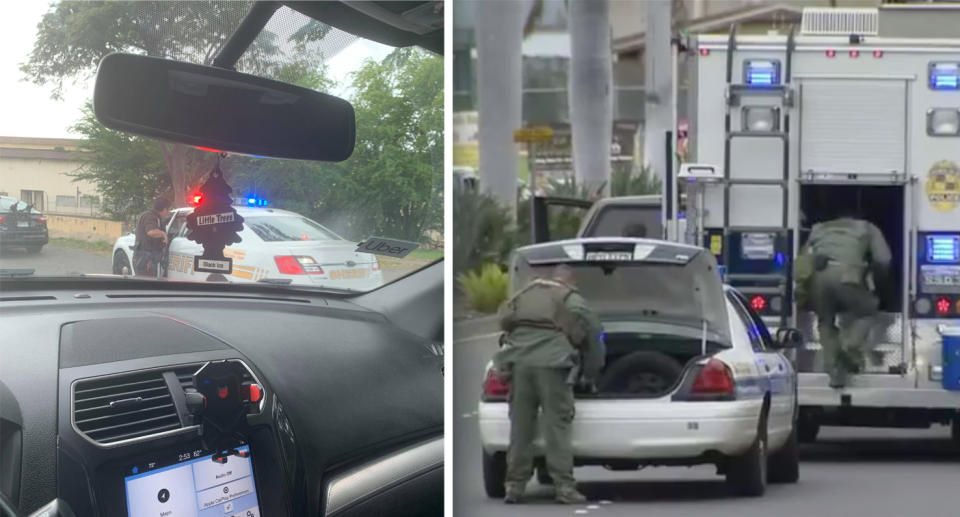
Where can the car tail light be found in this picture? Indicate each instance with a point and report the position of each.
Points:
(714, 379)
(297, 265)
(494, 388)
(42, 219)
(2, 219)
(376, 265)
(943, 306)
(758, 303)
(288, 265)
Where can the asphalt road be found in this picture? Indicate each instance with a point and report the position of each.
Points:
(848, 472)
(59, 261)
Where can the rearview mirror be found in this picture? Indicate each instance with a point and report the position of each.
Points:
(221, 109)
(789, 338)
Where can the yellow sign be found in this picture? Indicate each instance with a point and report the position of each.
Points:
(343, 274)
(466, 154)
(716, 244)
(533, 134)
(943, 185)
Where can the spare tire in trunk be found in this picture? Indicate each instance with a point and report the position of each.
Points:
(640, 373)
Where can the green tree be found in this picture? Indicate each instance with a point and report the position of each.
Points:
(393, 183)
(74, 36)
(128, 170)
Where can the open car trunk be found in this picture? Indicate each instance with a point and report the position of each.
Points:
(662, 304)
(647, 359)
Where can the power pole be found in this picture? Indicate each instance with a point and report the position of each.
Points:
(659, 106)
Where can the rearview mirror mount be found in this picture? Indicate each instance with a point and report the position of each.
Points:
(221, 109)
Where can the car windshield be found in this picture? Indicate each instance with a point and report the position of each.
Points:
(93, 185)
(289, 228)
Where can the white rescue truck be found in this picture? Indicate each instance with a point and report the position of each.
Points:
(838, 113)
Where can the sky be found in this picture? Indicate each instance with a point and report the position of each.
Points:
(26, 109)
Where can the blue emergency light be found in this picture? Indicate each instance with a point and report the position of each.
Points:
(253, 201)
(943, 249)
(761, 73)
(945, 76)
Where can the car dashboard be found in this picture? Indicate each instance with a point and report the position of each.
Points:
(93, 384)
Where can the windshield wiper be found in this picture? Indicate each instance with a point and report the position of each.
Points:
(16, 272)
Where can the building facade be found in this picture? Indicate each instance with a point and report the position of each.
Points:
(38, 171)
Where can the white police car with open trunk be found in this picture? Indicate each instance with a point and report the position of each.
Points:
(692, 375)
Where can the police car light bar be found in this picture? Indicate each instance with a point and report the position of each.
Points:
(249, 201)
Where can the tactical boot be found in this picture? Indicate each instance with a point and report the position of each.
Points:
(514, 493)
(570, 495)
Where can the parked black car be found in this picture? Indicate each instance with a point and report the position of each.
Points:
(21, 225)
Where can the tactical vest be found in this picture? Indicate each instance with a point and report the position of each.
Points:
(542, 304)
(845, 241)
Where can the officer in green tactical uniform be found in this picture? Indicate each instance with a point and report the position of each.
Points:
(848, 253)
(552, 343)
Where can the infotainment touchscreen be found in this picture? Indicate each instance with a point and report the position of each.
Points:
(193, 484)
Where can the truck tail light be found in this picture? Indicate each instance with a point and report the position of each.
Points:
(494, 388)
(943, 306)
(714, 379)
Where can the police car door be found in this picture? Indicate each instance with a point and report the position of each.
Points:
(774, 369)
(182, 250)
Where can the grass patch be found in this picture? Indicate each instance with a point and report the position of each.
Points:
(425, 254)
(102, 247)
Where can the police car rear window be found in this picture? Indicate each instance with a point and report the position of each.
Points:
(283, 228)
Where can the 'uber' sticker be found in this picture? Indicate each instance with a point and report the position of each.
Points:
(205, 265)
(388, 247)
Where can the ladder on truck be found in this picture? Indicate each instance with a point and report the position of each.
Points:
(778, 283)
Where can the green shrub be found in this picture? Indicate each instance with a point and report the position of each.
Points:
(485, 288)
(628, 179)
(483, 231)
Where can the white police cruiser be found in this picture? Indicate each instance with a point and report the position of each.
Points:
(278, 246)
(692, 375)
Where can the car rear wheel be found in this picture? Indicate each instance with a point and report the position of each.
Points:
(640, 373)
(784, 465)
(747, 473)
(955, 431)
(121, 261)
(33, 250)
(494, 474)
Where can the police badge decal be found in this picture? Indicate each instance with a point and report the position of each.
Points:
(943, 185)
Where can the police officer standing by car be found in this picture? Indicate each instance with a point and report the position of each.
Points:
(552, 343)
(151, 239)
(844, 252)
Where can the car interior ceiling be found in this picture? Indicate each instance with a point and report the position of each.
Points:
(69, 336)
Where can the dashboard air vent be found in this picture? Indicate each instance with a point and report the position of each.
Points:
(123, 407)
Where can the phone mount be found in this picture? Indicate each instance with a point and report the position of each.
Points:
(220, 402)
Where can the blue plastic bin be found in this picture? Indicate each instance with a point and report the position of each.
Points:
(951, 358)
